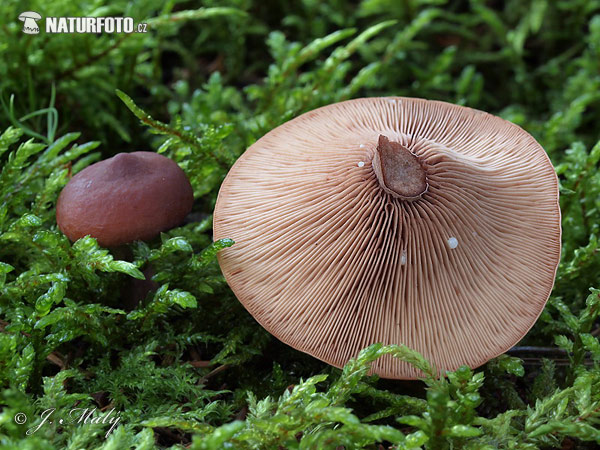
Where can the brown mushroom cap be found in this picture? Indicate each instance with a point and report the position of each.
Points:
(343, 240)
(131, 196)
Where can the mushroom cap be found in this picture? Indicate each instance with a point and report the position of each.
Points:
(329, 262)
(29, 15)
(131, 196)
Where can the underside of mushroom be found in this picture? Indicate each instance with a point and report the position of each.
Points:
(393, 220)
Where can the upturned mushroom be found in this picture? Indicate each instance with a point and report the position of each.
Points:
(131, 196)
(393, 220)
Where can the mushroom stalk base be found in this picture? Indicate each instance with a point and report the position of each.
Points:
(398, 170)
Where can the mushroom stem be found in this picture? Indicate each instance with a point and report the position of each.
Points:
(398, 170)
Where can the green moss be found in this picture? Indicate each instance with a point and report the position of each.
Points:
(187, 366)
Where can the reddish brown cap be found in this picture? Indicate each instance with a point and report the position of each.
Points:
(131, 196)
(393, 220)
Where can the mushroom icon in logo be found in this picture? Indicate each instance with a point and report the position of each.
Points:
(29, 19)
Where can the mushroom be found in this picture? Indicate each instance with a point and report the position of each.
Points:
(393, 220)
(29, 19)
(131, 196)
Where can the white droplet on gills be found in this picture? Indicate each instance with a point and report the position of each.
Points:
(403, 257)
(360, 164)
(452, 242)
(361, 146)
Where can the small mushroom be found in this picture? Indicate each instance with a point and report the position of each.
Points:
(131, 196)
(446, 238)
(29, 19)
